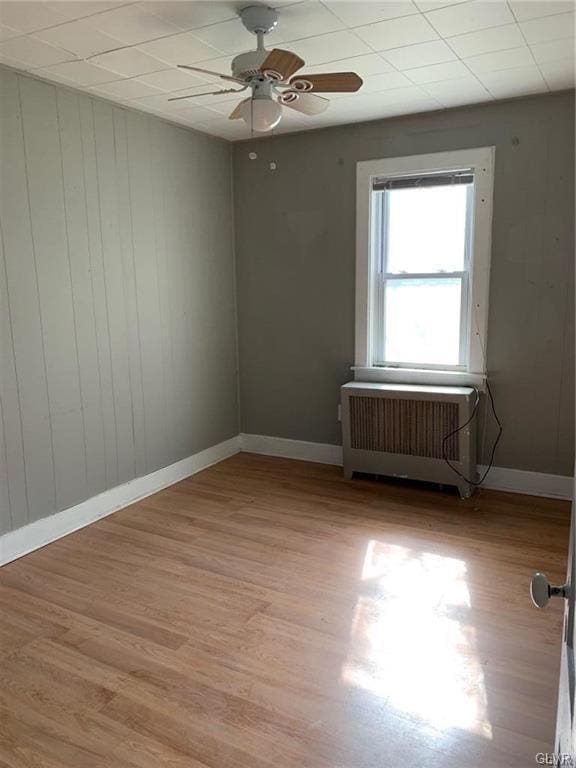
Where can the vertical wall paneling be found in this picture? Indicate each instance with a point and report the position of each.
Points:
(176, 247)
(26, 325)
(158, 155)
(116, 354)
(82, 295)
(44, 170)
(134, 349)
(98, 288)
(5, 513)
(14, 510)
(114, 285)
(147, 289)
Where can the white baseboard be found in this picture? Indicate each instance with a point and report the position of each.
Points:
(530, 483)
(322, 453)
(499, 478)
(20, 542)
(35, 535)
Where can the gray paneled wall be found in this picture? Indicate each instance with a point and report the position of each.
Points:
(295, 249)
(118, 342)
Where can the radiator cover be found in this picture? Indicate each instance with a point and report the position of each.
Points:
(399, 430)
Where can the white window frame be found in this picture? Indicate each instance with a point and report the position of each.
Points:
(473, 372)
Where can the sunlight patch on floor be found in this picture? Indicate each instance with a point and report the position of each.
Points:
(411, 642)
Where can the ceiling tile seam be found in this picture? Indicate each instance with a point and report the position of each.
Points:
(529, 47)
(463, 60)
(33, 32)
(484, 29)
(353, 30)
(417, 12)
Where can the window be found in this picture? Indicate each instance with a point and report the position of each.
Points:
(422, 267)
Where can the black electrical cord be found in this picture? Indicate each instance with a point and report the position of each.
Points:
(463, 426)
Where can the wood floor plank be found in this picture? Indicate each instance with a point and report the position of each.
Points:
(267, 613)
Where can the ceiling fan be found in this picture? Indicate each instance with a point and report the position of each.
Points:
(271, 76)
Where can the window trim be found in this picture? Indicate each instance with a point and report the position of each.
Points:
(481, 162)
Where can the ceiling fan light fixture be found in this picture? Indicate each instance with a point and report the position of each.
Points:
(261, 115)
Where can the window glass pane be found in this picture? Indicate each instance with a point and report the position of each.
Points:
(422, 321)
(427, 229)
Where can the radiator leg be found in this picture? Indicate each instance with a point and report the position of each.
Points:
(348, 474)
(465, 490)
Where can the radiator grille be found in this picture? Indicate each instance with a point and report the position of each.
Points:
(412, 427)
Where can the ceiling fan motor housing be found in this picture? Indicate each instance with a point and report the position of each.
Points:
(247, 65)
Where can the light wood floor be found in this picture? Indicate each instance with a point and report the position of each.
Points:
(269, 613)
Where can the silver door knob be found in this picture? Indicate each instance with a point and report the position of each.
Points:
(541, 590)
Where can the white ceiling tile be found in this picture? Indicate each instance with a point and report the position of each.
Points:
(397, 33)
(133, 24)
(325, 48)
(128, 62)
(159, 102)
(514, 82)
(32, 53)
(306, 19)
(453, 100)
(126, 89)
(28, 16)
(553, 50)
(382, 82)
(225, 129)
(424, 54)
(79, 37)
(453, 93)
(194, 114)
(470, 17)
(183, 48)
(193, 15)
(459, 87)
(559, 74)
(432, 5)
(80, 73)
(222, 65)
(223, 107)
(359, 103)
(354, 14)
(549, 28)
(301, 20)
(369, 64)
(497, 60)
(79, 9)
(7, 32)
(536, 9)
(204, 96)
(230, 37)
(173, 79)
(493, 39)
(449, 71)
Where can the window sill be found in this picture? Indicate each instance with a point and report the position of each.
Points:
(420, 376)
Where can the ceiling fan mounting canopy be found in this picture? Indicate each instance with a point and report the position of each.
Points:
(271, 76)
(259, 19)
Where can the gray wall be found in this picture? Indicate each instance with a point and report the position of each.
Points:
(118, 339)
(295, 250)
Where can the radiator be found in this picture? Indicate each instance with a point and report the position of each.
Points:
(400, 430)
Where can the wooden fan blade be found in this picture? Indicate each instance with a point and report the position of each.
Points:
(308, 103)
(209, 72)
(283, 62)
(236, 114)
(333, 82)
